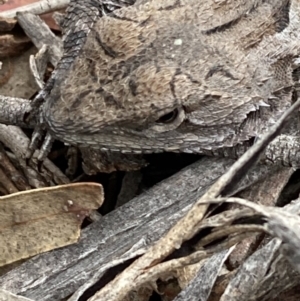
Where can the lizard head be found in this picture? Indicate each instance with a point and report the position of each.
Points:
(159, 78)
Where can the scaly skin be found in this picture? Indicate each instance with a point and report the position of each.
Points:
(80, 18)
(178, 75)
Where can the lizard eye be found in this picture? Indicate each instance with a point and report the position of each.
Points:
(168, 122)
(168, 118)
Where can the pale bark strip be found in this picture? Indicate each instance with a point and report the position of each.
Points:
(38, 65)
(7, 296)
(37, 8)
(40, 35)
(200, 287)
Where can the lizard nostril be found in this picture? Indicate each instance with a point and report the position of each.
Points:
(169, 117)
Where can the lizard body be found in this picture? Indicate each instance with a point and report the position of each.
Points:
(178, 75)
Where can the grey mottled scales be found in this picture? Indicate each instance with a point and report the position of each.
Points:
(79, 19)
(224, 68)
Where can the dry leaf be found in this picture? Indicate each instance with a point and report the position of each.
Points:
(40, 220)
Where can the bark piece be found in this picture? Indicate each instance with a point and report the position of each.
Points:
(7, 296)
(124, 233)
(36, 7)
(200, 287)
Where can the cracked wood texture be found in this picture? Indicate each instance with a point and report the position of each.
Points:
(144, 220)
(178, 75)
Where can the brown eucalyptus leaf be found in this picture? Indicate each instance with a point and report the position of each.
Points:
(40, 220)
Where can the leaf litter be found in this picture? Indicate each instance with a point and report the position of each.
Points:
(262, 275)
(43, 219)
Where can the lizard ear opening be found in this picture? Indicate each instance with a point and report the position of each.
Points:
(169, 121)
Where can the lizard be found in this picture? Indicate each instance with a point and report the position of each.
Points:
(176, 75)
